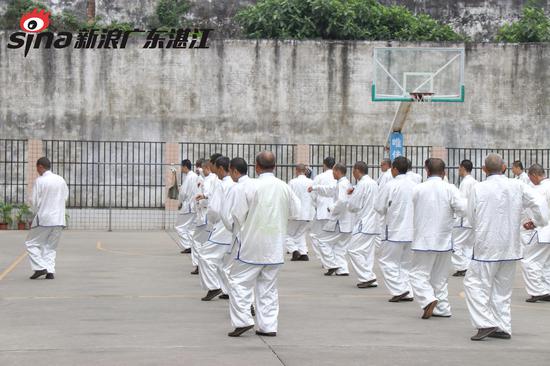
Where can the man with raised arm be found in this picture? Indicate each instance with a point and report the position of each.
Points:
(536, 261)
(336, 232)
(261, 212)
(495, 209)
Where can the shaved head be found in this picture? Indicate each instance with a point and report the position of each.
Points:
(435, 166)
(301, 168)
(493, 164)
(536, 170)
(265, 161)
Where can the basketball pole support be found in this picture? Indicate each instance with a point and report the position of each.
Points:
(398, 121)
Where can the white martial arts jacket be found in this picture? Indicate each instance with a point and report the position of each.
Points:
(261, 211)
(227, 218)
(524, 178)
(299, 186)
(495, 209)
(435, 205)
(323, 203)
(543, 233)
(415, 177)
(384, 178)
(340, 218)
(207, 188)
(466, 185)
(188, 191)
(216, 207)
(361, 203)
(48, 200)
(395, 205)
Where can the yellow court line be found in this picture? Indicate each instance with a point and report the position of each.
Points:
(12, 266)
(100, 247)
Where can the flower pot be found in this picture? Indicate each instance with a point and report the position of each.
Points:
(3, 226)
(21, 226)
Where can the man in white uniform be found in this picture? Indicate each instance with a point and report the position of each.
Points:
(463, 235)
(395, 205)
(321, 203)
(495, 209)
(185, 221)
(48, 203)
(261, 212)
(536, 261)
(366, 231)
(435, 205)
(332, 241)
(211, 254)
(385, 173)
(206, 189)
(415, 177)
(517, 169)
(299, 227)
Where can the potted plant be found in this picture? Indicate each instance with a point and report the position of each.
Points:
(5, 215)
(23, 215)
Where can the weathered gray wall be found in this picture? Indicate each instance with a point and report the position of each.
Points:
(477, 18)
(265, 91)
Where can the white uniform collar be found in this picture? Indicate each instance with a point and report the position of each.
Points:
(47, 172)
(434, 177)
(400, 176)
(495, 176)
(227, 177)
(242, 178)
(267, 174)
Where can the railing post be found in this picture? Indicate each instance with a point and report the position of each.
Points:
(171, 157)
(302, 154)
(34, 152)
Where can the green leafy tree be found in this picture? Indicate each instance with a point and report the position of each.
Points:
(169, 14)
(340, 19)
(533, 26)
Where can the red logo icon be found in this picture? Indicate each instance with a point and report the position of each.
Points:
(35, 21)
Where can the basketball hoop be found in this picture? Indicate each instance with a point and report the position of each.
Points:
(421, 96)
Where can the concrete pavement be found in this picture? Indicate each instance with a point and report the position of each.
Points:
(128, 299)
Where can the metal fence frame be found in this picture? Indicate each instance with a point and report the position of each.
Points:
(13, 176)
(285, 154)
(527, 156)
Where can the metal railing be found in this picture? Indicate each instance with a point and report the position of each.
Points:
(370, 154)
(284, 153)
(13, 163)
(110, 174)
(477, 156)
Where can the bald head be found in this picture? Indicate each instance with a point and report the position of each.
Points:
(494, 164)
(265, 162)
(301, 169)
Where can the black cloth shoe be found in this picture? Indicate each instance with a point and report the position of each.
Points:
(500, 335)
(238, 331)
(266, 334)
(195, 271)
(483, 333)
(252, 310)
(459, 273)
(429, 310)
(38, 274)
(368, 284)
(402, 297)
(211, 294)
(342, 274)
(546, 298)
(303, 258)
(440, 316)
(331, 271)
(295, 256)
(186, 251)
(536, 298)
(50, 276)
(224, 297)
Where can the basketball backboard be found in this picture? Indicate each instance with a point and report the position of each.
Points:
(403, 74)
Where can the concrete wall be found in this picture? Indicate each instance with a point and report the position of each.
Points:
(477, 18)
(265, 91)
